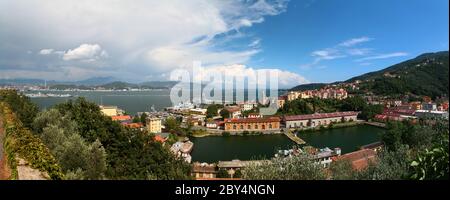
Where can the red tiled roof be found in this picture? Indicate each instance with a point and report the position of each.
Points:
(233, 109)
(160, 138)
(252, 120)
(133, 125)
(319, 116)
(121, 118)
(359, 159)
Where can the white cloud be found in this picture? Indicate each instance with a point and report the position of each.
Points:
(359, 51)
(143, 37)
(383, 56)
(85, 52)
(327, 54)
(256, 43)
(46, 51)
(355, 41)
(286, 79)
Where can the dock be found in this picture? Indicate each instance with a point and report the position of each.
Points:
(293, 137)
(377, 124)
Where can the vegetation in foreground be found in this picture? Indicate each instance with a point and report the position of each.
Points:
(88, 145)
(412, 152)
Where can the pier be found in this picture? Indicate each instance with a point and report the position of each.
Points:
(293, 137)
(377, 124)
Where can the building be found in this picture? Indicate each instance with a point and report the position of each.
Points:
(110, 110)
(204, 170)
(161, 137)
(254, 115)
(154, 125)
(324, 156)
(248, 105)
(318, 119)
(359, 159)
(122, 118)
(133, 125)
(429, 106)
(200, 111)
(432, 114)
(235, 111)
(252, 124)
(399, 113)
(325, 93)
(281, 101)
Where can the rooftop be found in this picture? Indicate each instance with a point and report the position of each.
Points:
(319, 116)
(121, 118)
(252, 120)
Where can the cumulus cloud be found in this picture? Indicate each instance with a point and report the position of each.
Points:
(85, 52)
(141, 37)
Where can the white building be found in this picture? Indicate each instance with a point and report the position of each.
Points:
(319, 119)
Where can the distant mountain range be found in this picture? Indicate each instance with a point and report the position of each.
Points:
(105, 82)
(87, 82)
(426, 74)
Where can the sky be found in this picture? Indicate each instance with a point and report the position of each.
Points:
(144, 40)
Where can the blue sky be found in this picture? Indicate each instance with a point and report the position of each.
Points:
(409, 26)
(145, 40)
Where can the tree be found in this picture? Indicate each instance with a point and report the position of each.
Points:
(143, 119)
(369, 111)
(300, 167)
(211, 111)
(136, 119)
(431, 164)
(390, 165)
(355, 103)
(342, 170)
(96, 162)
(25, 110)
(222, 174)
(131, 154)
(225, 113)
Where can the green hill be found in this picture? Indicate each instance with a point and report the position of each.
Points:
(309, 86)
(426, 74)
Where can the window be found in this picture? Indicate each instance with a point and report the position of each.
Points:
(249, 127)
(270, 126)
(256, 126)
(242, 126)
(234, 127)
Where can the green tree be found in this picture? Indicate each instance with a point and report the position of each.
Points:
(342, 170)
(431, 164)
(211, 111)
(22, 106)
(143, 118)
(222, 174)
(225, 113)
(300, 167)
(96, 161)
(390, 165)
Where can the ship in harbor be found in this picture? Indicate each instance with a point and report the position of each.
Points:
(43, 95)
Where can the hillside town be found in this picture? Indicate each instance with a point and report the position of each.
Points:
(242, 118)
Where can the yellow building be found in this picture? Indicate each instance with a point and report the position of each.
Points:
(154, 125)
(110, 111)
